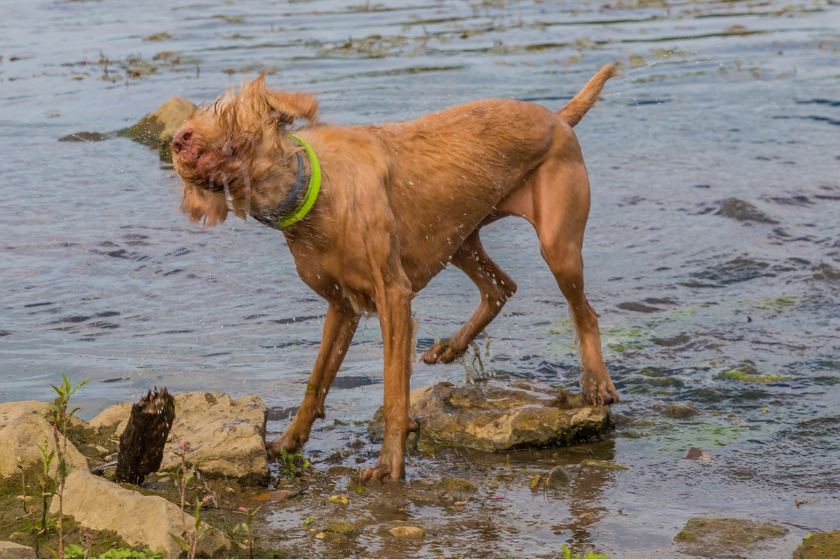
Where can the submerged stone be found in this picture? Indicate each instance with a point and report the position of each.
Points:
(819, 545)
(85, 137)
(726, 538)
(595, 463)
(743, 211)
(500, 417)
(407, 532)
(555, 478)
(341, 527)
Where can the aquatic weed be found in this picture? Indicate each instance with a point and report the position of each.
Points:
(567, 553)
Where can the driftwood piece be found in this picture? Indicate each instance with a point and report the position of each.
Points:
(142, 442)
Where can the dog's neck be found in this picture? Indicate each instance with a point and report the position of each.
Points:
(272, 216)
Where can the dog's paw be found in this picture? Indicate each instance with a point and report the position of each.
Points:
(391, 463)
(380, 474)
(598, 389)
(440, 353)
(272, 448)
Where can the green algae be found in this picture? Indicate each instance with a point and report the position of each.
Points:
(749, 374)
(727, 538)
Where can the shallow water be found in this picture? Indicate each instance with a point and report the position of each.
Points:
(102, 278)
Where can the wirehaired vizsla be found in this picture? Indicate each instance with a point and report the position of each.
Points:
(395, 204)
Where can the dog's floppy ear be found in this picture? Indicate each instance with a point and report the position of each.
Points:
(289, 107)
(282, 107)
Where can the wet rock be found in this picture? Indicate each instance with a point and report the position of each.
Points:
(819, 545)
(460, 485)
(158, 128)
(84, 137)
(726, 538)
(407, 532)
(498, 417)
(596, 464)
(555, 478)
(341, 527)
(677, 410)
(743, 212)
(750, 374)
(227, 435)
(23, 427)
(446, 497)
(694, 453)
(339, 499)
(275, 496)
(14, 550)
(141, 521)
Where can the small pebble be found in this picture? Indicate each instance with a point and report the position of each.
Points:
(407, 532)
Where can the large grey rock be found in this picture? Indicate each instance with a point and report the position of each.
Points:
(9, 549)
(726, 538)
(23, 428)
(499, 417)
(141, 521)
(227, 435)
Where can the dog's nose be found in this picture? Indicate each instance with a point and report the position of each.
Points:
(182, 140)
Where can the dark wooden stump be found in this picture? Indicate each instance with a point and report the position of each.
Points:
(142, 442)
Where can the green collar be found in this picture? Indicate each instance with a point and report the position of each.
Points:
(311, 192)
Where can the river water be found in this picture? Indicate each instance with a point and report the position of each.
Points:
(712, 251)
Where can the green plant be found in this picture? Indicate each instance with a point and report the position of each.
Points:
(44, 481)
(62, 418)
(189, 547)
(76, 551)
(289, 464)
(247, 526)
(308, 520)
(567, 553)
(184, 474)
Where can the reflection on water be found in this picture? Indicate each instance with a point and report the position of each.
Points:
(713, 248)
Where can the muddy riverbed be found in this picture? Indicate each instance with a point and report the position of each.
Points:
(712, 251)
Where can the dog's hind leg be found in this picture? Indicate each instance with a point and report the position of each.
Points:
(556, 202)
(495, 287)
(339, 327)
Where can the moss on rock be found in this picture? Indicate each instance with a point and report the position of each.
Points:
(819, 545)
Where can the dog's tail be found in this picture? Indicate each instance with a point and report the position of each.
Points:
(586, 98)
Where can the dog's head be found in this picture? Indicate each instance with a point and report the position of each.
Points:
(228, 152)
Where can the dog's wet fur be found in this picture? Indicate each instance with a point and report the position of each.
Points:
(398, 202)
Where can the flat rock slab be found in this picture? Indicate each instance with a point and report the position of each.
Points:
(726, 538)
(227, 435)
(9, 549)
(141, 521)
(820, 545)
(500, 417)
(23, 428)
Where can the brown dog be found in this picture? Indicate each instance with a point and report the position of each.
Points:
(397, 203)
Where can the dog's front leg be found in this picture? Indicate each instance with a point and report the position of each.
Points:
(393, 304)
(339, 327)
